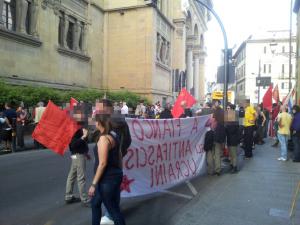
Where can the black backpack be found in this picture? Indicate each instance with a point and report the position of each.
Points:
(120, 126)
(241, 113)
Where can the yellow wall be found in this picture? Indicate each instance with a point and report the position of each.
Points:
(129, 50)
(114, 4)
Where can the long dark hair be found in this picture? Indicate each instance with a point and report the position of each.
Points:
(103, 117)
(105, 121)
(296, 108)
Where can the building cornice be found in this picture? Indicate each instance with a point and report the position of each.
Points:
(20, 38)
(24, 81)
(97, 6)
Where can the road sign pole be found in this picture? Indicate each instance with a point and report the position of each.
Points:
(259, 70)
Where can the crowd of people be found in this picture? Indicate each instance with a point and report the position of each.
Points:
(230, 128)
(247, 127)
(15, 121)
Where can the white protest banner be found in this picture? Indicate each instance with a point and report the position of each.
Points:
(163, 153)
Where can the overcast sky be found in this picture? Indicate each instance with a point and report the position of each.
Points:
(242, 18)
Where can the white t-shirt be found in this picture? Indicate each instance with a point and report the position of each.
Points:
(124, 110)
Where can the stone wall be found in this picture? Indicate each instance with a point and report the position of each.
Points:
(42, 56)
(129, 53)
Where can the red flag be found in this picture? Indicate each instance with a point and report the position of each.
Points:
(267, 99)
(55, 129)
(183, 96)
(275, 94)
(73, 102)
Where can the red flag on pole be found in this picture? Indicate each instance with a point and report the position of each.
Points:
(55, 129)
(267, 99)
(73, 102)
(183, 96)
(276, 94)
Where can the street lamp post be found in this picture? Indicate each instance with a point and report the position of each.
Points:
(259, 74)
(226, 58)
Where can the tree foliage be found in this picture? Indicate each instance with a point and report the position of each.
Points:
(32, 95)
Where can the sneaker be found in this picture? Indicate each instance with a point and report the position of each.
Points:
(282, 159)
(72, 200)
(106, 221)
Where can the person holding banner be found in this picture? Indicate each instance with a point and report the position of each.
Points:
(108, 177)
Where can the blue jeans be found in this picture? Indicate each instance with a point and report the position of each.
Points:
(108, 193)
(283, 139)
(106, 213)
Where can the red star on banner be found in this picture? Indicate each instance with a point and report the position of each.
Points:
(125, 186)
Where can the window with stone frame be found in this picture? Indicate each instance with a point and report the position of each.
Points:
(81, 37)
(61, 30)
(71, 33)
(70, 36)
(163, 50)
(28, 18)
(8, 15)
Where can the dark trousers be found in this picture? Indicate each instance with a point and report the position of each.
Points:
(266, 126)
(260, 134)
(20, 134)
(108, 192)
(248, 140)
(296, 141)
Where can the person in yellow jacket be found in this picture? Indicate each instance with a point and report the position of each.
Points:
(249, 125)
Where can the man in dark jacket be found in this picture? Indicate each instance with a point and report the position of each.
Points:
(166, 113)
(186, 111)
(296, 133)
(79, 154)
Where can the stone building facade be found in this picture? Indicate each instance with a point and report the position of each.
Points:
(153, 48)
(264, 55)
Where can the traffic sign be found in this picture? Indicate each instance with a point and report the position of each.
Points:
(263, 81)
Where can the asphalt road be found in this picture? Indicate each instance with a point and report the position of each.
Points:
(32, 190)
(32, 186)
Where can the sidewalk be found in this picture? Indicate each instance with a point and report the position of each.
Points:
(260, 194)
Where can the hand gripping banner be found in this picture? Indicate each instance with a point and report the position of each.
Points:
(163, 153)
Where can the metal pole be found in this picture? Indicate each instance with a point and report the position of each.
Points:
(259, 74)
(226, 59)
(290, 47)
